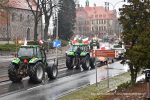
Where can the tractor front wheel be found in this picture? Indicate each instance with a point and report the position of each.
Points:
(52, 71)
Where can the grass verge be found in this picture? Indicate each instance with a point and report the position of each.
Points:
(91, 92)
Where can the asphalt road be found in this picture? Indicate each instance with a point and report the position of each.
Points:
(52, 89)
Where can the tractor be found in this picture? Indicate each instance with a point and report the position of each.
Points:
(31, 61)
(79, 55)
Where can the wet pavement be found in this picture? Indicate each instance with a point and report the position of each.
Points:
(52, 89)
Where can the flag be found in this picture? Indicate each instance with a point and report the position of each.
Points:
(25, 42)
(85, 40)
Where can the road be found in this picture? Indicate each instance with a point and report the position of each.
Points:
(52, 89)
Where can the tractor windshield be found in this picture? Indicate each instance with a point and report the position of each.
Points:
(26, 52)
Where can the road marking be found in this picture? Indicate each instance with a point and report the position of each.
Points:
(34, 87)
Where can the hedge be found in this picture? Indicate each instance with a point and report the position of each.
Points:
(8, 47)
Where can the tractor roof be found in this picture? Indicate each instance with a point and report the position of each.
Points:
(80, 44)
(30, 46)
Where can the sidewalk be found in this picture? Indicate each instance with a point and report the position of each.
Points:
(89, 92)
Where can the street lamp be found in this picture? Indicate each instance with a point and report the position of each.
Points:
(114, 12)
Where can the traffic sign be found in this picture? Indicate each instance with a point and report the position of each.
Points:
(104, 53)
(56, 43)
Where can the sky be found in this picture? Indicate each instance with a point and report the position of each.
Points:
(113, 3)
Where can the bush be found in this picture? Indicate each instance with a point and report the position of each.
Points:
(124, 85)
(64, 43)
(9, 47)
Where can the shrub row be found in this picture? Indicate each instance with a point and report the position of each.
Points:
(8, 47)
(13, 47)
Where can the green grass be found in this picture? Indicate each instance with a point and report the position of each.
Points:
(91, 92)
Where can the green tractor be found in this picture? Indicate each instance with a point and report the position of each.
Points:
(79, 54)
(31, 61)
(94, 44)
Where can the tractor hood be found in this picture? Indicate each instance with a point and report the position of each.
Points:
(28, 60)
(16, 60)
(71, 53)
(83, 53)
(34, 60)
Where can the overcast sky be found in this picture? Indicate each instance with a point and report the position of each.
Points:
(113, 3)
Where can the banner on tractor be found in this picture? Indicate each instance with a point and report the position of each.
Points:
(104, 53)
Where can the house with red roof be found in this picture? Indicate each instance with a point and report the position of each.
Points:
(17, 21)
(96, 20)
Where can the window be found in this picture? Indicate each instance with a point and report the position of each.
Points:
(92, 21)
(13, 17)
(28, 18)
(92, 28)
(100, 16)
(104, 15)
(104, 21)
(21, 17)
(104, 28)
(97, 21)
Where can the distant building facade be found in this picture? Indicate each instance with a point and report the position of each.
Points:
(96, 20)
(18, 21)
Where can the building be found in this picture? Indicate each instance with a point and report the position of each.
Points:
(96, 20)
(17, 21)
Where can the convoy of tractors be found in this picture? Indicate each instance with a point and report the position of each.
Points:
(31, 60)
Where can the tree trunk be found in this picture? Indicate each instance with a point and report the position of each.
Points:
(35, 30)
(133, 74)
(46, 27)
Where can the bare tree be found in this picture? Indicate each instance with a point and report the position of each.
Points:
(37, 13)
(43, 7)
(48, 7)
(2, 2)
(4, 10)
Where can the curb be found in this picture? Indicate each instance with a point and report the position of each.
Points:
(68, 92)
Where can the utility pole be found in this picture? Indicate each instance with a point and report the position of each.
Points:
(57, 38)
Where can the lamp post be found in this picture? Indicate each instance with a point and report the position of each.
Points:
(114, 13)
(57, 37)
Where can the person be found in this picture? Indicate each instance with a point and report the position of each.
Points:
(78, 51)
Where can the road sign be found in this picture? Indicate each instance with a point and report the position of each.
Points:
(56, 43)
(104, 53)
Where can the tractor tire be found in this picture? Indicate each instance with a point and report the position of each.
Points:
(85, 63)
(13, 73)
(36, 72)
(92, 63)
(52, 71)
(69, 63)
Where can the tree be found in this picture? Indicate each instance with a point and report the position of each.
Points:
(135, 19)
(3, 2)
(43, 7)
(37, 13)
(66, 19)
(47, 8)
(4, 10)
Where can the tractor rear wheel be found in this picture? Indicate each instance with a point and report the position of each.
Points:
(36, 72)
(13, 73)
(92, 62)
(69, 63)
(86, 63)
